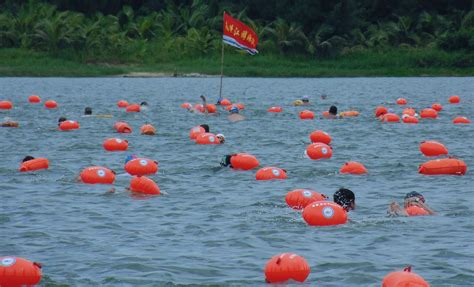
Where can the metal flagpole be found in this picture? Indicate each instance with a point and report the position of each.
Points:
(222, 66)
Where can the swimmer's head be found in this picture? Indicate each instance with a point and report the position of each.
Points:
(415, 194)
(130, 157)
(305, 99)
(143, 104)
(88, 111)
(225, 161)
(27, 158)
(298, 103)
(333, 110)
(221, 138)
(345, 198)
(205, 127)
(234, 110)
(61, 119)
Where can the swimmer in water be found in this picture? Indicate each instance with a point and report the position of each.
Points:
(88, 113)
(234, 115)
(220, 138)
(144, 106)
(60, 120)
(206, 108)
(411, 199)
(332, 112)
(27, 158)
(298, 103)
(9, 123)
(345, 198)
(305, 100)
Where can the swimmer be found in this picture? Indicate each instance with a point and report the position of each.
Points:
(205, 127)
(234, 115)
(332, 112)
(9, 123)
(345, 198)
(225, 161)
(221, 138)
(144, 106)
(298, 103)
(305, 100)
(27, 158)
(206, 110)
(411, 199)
(88, 113)
(60, 120)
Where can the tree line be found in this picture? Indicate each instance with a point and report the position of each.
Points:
(116, 30)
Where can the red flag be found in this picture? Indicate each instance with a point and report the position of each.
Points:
(239, 35)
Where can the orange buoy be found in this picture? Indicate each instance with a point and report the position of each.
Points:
(115, 144)
(347, 114)
(270, 173)
(211, 108)
(390, 118)
(6, 105)
(275, 110)
(429, 113)
(287, 266)
(145, 185)
(317, 151)
(228, 108)
(306, 115)
(409, 119)
(300, 198)
(380, 111)
(353, 167)
(68, 125)
(409, 112)
(240, 106)
(433, 148)
(122, 127)
(401, 101)
(122, 104)
(324, 213)
(461, 120)
(34, 164)
(148, 130)
(320, 137)
(17, 272)
(325, 114)
(186, 106)
(225, 102)
(199, 108)
(437, 107)
(133, 108)
(404, 278)
(244, 161)
(454, 99)
(97, 175)
(207, 138)
(34, 99)
(414, 210)
(195, 131)
(50, 104)
(443, 166)
(141, 166)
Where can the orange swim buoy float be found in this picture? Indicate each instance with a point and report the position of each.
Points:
(317, 151)
(409, 119)
(195, 131)
(69, 125)
(148, 129)
(115, 144)
(199, 108)
(390, 118)
(275, 110)
(404, 278)
(437, 107)
(348, 114)
(211, 108)
(380, 111)
(244, 161)
(320, 137)
(409, 112)
(226, 102)
(207, 138)
(34, 99)
(186, 106)
(300, 198)
(50, 104)
(325, 114)
(97, 175)
(324, 213)
(353, 167)
(145, 185)
(433, 148)
(122, 104)
(270, 173)
(133, 108)
(34, 164)
(461, 120)
(287, 266)
(240, 106)
(17, 272)
(443, 166)
(6, 105)
(454, 99)
(306, 115)
(122, 127)
(401, 101)
(429, 113)
(414, 210)
(141, 166)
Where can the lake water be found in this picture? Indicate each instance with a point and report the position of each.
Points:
(219, 226)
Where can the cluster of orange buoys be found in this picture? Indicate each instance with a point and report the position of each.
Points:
(316, 210)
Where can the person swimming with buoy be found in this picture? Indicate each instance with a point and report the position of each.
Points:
(414, 204)
(304, 101)
(27, 158)
(61, 119)
(234, 115)
(345, 198)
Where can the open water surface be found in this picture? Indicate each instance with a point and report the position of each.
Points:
(219, 226)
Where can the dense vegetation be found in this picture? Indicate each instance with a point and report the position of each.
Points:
(151, 32)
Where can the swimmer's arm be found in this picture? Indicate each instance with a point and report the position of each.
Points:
(204, 103)
(395, 210)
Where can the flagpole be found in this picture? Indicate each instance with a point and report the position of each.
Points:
(222, 65)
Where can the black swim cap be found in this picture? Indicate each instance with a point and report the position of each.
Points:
(344, 197)
(205, 127)
(333, 110)
(414, 194)
(27, 158)
(226, 160)
(88, 111)
(143, 104)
